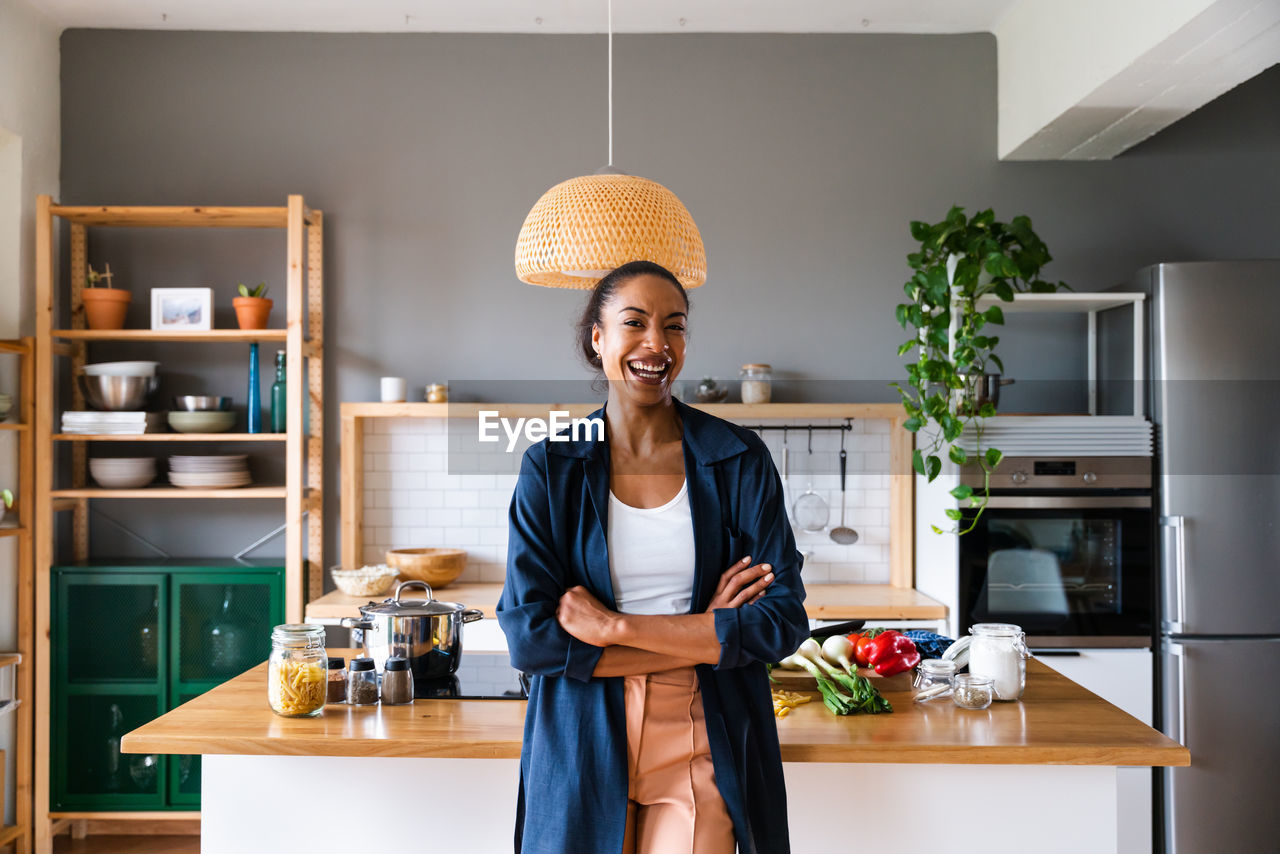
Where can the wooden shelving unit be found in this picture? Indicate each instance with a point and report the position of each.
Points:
(172, 437)
(205, 336)
(19, 834)
(302, 337)
(168, 492)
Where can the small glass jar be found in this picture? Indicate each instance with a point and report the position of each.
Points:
(933, 680)
(337, 684)
(296, 670)
(362, 682)
(757, 383)
(972, 692)
(999, 652)
(397, 682)
(437, 393)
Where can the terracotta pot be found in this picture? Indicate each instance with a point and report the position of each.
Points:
(105, 308)
(252, 312)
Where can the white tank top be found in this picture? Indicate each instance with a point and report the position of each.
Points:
(651, 555)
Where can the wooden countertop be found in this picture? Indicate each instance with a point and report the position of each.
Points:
(1056, 723)
(823, 602)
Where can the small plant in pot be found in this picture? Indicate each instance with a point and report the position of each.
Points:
(252, 306)
(105, 307)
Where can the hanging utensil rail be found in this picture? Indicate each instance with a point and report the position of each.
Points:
(800, 428)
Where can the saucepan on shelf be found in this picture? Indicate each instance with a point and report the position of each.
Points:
(428, 632)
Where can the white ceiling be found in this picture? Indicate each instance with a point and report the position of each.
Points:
(535, 16)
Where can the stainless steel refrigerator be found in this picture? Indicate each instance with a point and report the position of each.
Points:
(1214, 395)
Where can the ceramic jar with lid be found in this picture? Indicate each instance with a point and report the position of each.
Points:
(757, 383)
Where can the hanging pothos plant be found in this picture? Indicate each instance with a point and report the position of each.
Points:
(960, 260)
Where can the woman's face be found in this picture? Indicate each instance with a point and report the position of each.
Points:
(641, 337)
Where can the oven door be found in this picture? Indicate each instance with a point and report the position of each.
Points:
(1071, 570)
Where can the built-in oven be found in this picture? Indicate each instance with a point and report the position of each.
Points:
(1065, 549)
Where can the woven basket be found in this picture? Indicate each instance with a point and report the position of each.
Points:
(584, 227)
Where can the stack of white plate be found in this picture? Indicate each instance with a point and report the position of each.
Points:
(123, 472)
(210, 471)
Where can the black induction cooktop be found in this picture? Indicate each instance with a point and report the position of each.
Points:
(480, 676)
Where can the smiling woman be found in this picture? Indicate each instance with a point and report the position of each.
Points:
(650, 723)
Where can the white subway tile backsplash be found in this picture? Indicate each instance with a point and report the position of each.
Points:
(419, 494)
(462, 498)
(446, 517)
(877, 462)
(426, 498)
(404, 480)
(847, 573)
(477, 518)
(407, 443)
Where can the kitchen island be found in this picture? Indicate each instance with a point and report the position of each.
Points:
(1038, 774)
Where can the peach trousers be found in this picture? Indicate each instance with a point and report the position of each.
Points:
(673, 804)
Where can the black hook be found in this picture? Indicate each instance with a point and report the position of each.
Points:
(811, 438)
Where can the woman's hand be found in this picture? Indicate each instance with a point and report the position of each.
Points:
(581, 615)
(741, 584)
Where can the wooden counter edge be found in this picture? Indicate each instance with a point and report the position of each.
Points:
(1175, 756)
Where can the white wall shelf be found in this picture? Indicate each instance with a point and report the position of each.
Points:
(1090, 303)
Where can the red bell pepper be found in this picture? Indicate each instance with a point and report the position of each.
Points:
(892, 652)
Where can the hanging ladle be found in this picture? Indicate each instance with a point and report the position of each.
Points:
(840, 534)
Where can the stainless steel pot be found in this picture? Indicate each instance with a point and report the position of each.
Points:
(983, 389)
(427, 632)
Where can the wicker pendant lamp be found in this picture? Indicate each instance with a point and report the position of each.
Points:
(584, 227)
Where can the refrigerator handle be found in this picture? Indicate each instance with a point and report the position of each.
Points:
(1179, 652)
(1179, 525)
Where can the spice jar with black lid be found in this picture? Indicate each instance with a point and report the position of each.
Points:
(397, 681)
(362, 682)
(337, 682)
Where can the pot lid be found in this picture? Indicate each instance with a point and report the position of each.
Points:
(397, 606)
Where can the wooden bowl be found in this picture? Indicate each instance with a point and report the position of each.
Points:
(437, 567)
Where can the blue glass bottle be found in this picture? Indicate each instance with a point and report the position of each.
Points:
(255, 396)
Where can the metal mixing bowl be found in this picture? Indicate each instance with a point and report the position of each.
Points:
(118, 393)
(201, 403)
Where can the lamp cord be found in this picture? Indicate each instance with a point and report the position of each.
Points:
(610, 3)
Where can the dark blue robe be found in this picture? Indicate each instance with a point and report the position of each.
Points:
(573, 765)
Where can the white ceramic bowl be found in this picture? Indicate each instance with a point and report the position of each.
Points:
(122, 369)
(123, 472)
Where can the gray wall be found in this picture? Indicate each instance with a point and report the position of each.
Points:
(802, 159)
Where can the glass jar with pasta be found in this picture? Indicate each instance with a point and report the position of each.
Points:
(296, 672)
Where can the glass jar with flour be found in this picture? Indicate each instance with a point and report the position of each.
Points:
(998, 651)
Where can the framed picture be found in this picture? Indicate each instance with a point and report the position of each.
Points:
(181, 308)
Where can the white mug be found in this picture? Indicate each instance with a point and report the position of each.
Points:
(394, 389)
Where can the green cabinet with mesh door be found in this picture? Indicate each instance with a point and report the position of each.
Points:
(131, 641)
